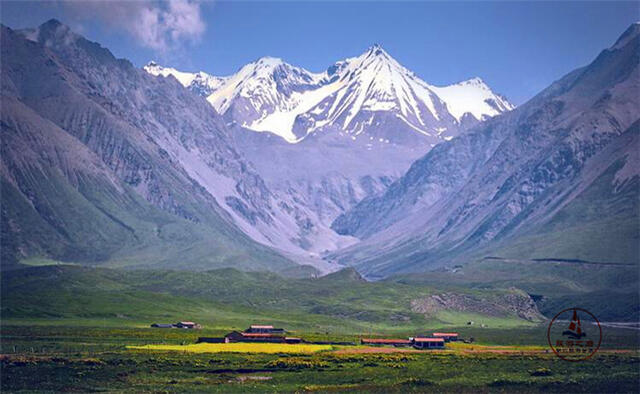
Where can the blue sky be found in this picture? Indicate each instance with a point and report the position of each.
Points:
(518, 48)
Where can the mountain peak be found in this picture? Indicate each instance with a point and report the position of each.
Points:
(377, 50)
(475, 81)
(629, 35)
(199, 82)
(53, 22)
(54, 28)
(269, 61)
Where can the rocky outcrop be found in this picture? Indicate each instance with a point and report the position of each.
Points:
(510, 303)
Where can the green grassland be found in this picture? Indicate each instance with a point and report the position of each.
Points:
(44, 358)
(338, 303)
(70, 328)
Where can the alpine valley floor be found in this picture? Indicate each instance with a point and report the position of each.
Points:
(60, 334)
(88, 359)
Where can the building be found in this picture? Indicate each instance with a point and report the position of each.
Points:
(188, 325)
(264, 329)
(447, 336)
(162, 325)
(236, 336)
(428, 343)
(380, 342)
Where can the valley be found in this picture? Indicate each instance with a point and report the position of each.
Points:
(97, 359)
(71, 328)
(358, 201)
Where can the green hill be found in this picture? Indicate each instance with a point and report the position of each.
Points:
(341, 302)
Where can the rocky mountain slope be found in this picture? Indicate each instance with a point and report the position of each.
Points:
(512, 301)
(103, 162)
(555, 178)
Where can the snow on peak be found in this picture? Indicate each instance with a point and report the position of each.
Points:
(264, 94)
(269, 62)
(200, 82)
(472, 96)
(377, 50)
(273, 96)
(375, 81)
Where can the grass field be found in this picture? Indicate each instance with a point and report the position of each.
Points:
(89, 359)
(71, 328)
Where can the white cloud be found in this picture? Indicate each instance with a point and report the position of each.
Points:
(159, 25)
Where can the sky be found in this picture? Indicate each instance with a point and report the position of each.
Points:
(518, 48)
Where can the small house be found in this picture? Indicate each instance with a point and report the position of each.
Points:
(428, 343)
(447, 336)
(188, 324)
(292, 340)
(381, 342)
(162, 325)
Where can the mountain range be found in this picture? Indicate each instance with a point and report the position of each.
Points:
(371, 97)
(278, 168)
(328, 140)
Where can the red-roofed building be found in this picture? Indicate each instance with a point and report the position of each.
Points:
(428, 343)
(236, 336)
(447, 336)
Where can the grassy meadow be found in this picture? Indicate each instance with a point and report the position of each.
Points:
(89, 359)
(73, 328)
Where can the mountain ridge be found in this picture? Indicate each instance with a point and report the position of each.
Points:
(169, 151)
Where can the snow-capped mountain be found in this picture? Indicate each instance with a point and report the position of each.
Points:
(375, 97)
(200, 82)
(264, 95)
(371, 96)
(557, 178)
(346, 133)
